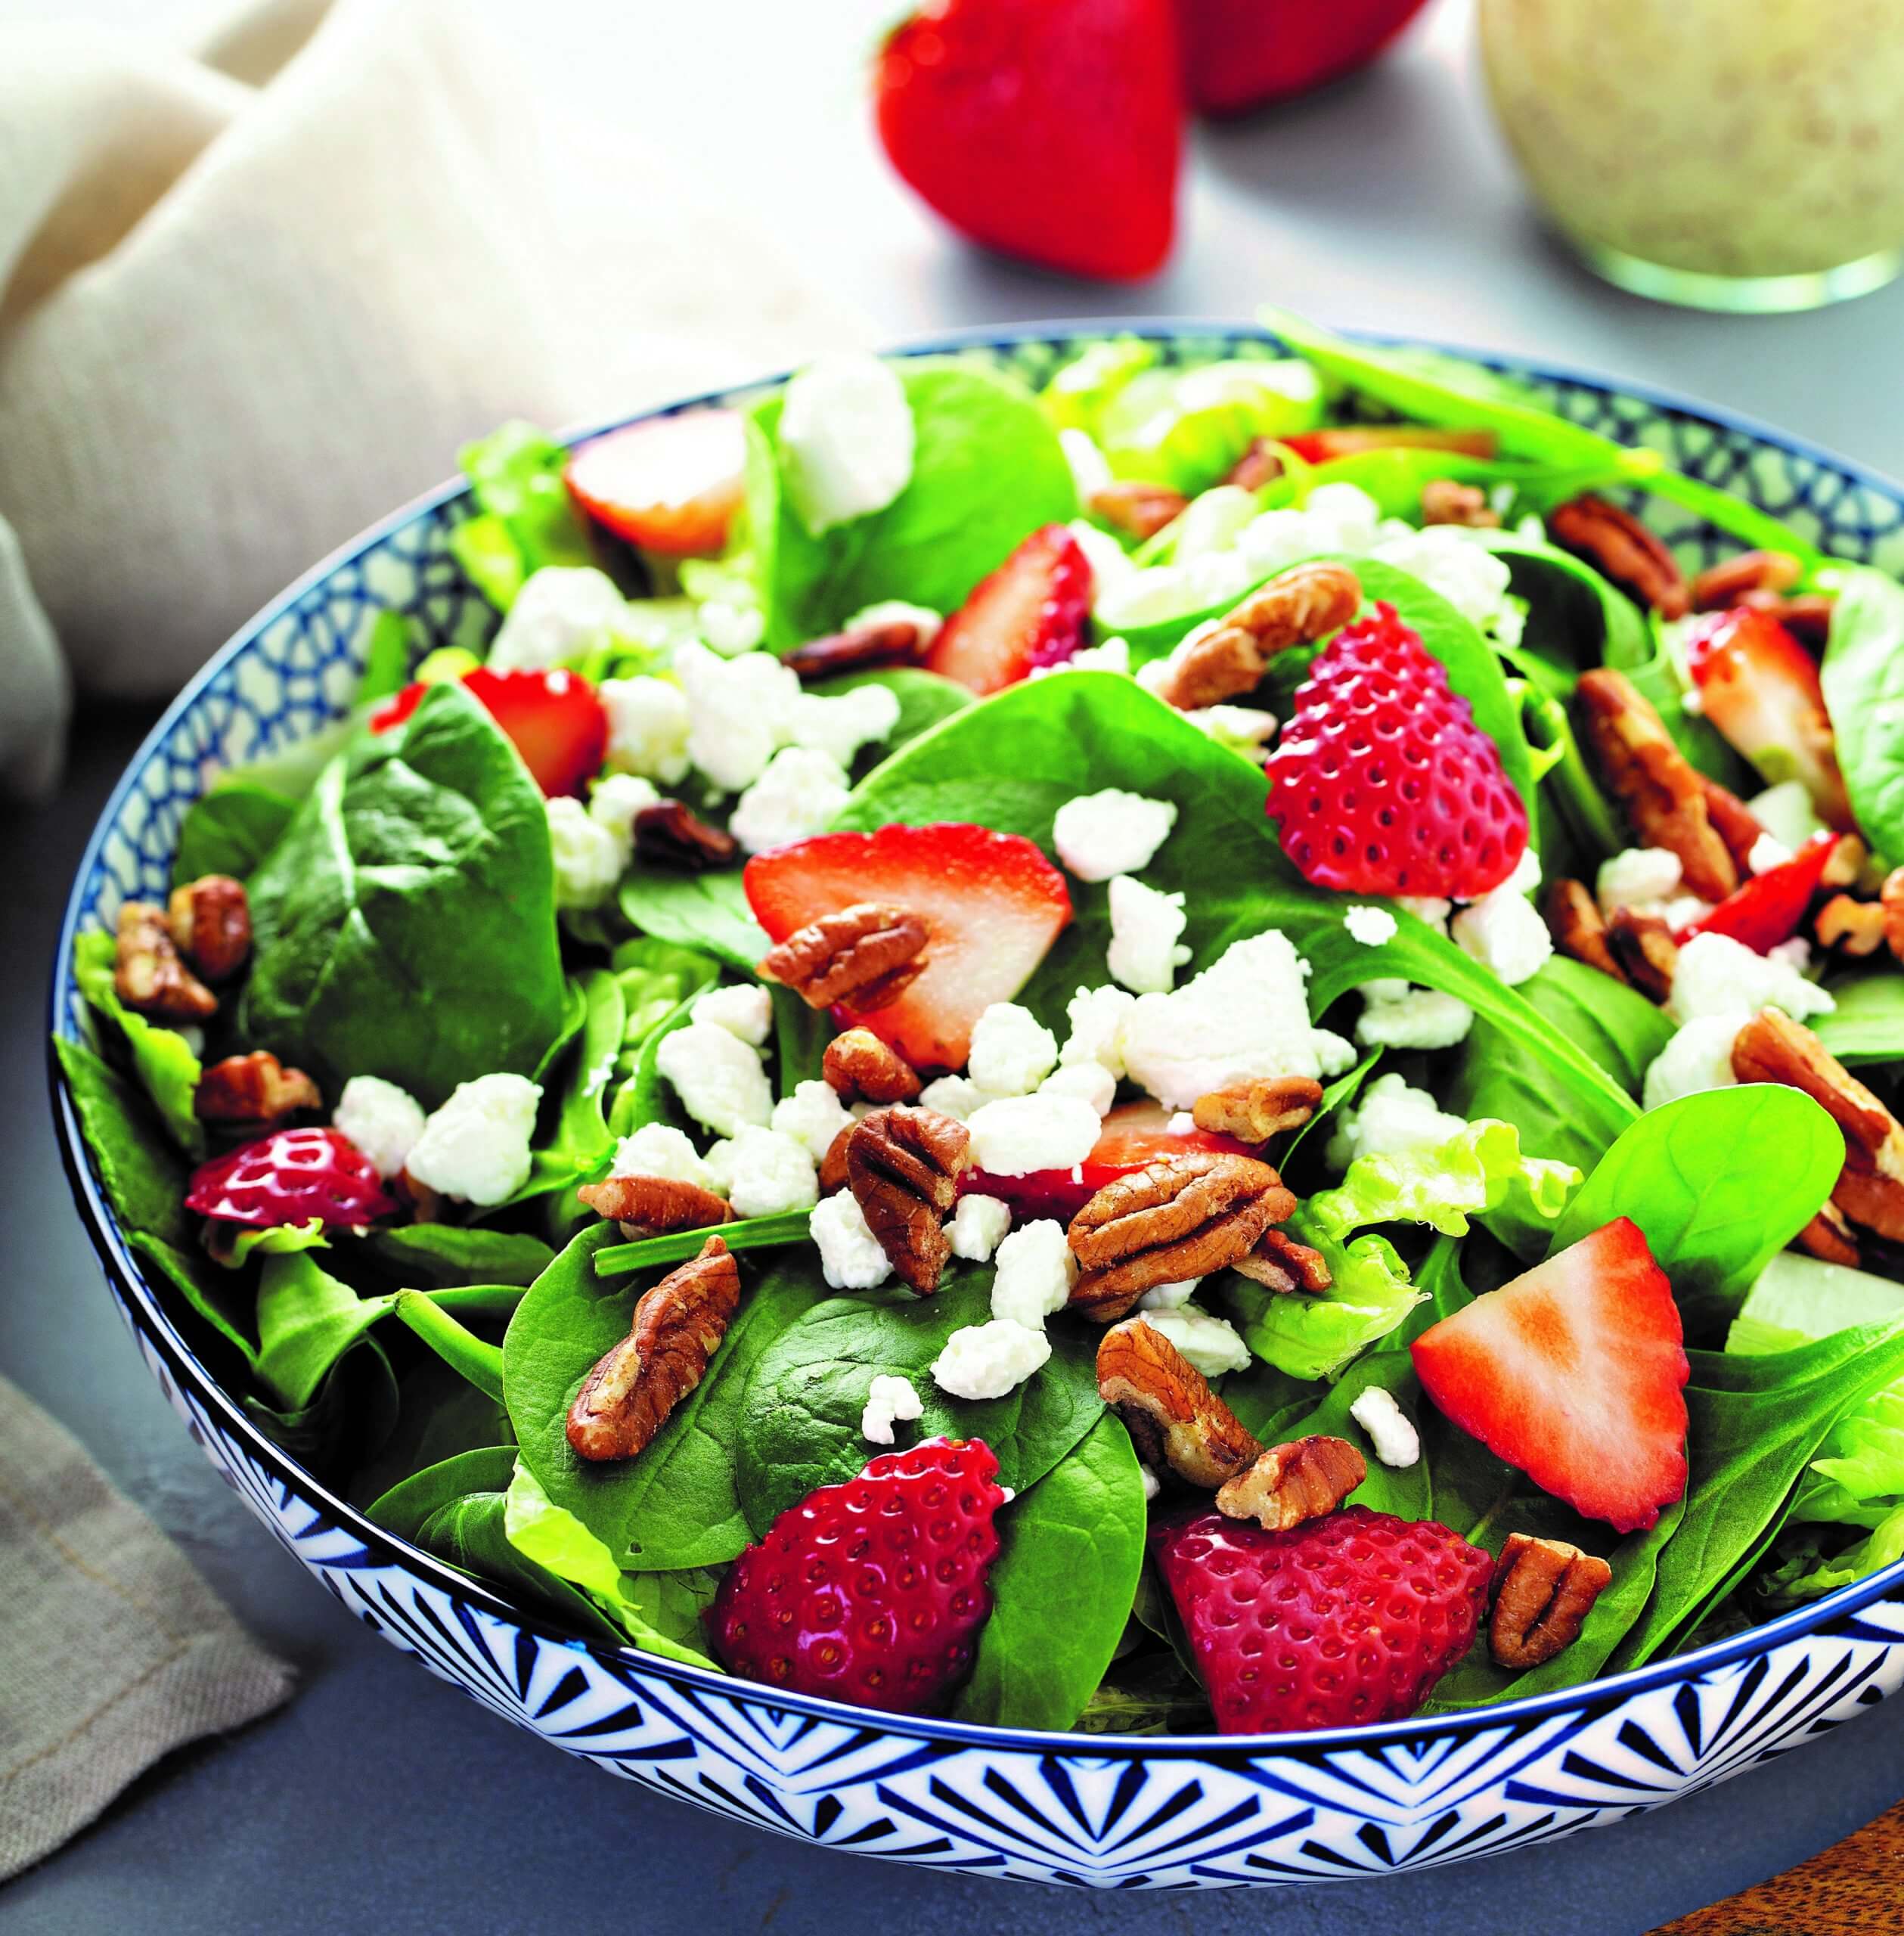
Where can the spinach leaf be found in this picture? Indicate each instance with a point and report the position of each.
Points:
(450, 1254)
(647, 1096)
(924, 698)
(988, 469)
(438, 1414)
(143, 1179)
(1337, 1096)
(1577, 618)
(799, 1423)
(1070, 1552)
(348, 1420)
(405, 927)
(801, 1035)
(708, 912)
(162, 1059)
(386, 660)
(211, 1295)
(1867, 1024)
(432, 1316)
(1719, 1182)
(230, 830)
(523, 517)
(1864, 692)
(1578, 827)
(1152, 1694)
(657, 977)
(581, 1141)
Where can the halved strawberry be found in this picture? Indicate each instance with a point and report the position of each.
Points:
(992, 904)
(1352, 439)
(291, 1176)
(1134, 1134)
(1574, 1372)
(669, 484)
(1760, 687)
(1031, 611)
(1770, 907)
(553, 719)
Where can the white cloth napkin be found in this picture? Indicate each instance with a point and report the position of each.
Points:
(254, 294)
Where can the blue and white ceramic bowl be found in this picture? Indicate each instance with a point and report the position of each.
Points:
(1102, 1812)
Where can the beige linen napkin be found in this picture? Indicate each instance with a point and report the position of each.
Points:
(112, 1651)
(254, 295)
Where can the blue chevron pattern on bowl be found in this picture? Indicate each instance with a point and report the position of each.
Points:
(1104, 1812)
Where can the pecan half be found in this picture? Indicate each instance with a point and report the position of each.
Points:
(1720, 586)
(148, 974)
(678, 1325)
(1221, 660)
(1846, 865)
(1447, 500)
(1829, 1236)
(866, 954)
(1281, 1264)
(832, 1165)
(1184, 1217)
(1643, 946)
(1176, 1422)
(255, 1090)
(671, 835)
(1543, 1591)
(1139, 511)
(1891, 899)
(902, 1166)
(1623, 550)
(1292, 1483)
(1579, 929)
(858, 1065)
(1260, 464)
(1663, 796)
(210, 920)
(1856, 928)
(1733, 821)
(1807, 613)
(1254, 1111)
(889, 642)
(652, 1206)
(1771, 1047)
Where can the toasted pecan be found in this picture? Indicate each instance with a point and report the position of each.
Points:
(669, 834)
(1615, 542)
(1543, 1591)
(654, 1206)
(1846, 866)
(1829, 1236)
(832, 1165)
(1733, 821)
(1807, 613)
(1854, 927)
(210, 920)
(866, 955)
(1227, 658)
(677, 1327)
(1723, 584)
(860, 1067)
(1261, 463)
(1176, 1422)
(1256, 1110)
(255, 1090)
(1447, 500)
(1578, 927)
(1292, 1483)
(888, 642)
(1278, 1263)
(1139, 510)
(1891, 899)
(149, 975)
(903, 1166)
(1643, 946)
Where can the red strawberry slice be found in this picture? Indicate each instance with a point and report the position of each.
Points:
(553, 719)
(1239, 54)
(1043, 130)
(873, 1591)
(669, 484)
(1760, 687)
(1573, 1372)
(1353, 439)
(1770, 907)
(1382, 782)
(1133, 1135)
(1029, 612)
(992, 904)
(1344, 1621)
(291, 1176)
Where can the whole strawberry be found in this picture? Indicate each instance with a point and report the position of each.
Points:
(1382, 782)
(292, 1176)
(1347, 1620)
(874, 1591)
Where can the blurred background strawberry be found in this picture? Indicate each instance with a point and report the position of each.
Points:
(1239, 54)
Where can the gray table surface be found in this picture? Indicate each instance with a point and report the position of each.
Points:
(380, 1796)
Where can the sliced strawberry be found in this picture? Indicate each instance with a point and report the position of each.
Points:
(1760, 687)
(1029, 612)
(1574, 1372)
(992, 904)
(1770, 908)
(1352, 439)
(1134, 1134)
(669, 484)
(553, 719)
(290, 1177)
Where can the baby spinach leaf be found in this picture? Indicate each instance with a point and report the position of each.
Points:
(708, 912)
(405, 927)
(799, 1424)
(647, 1096)
(801, 1035)
(348, 1419)
(1719, 1182)
(1578, 828)
(657, 977)
(431, 1315)
(1154, 1693)
(924, 698)
(1864, 692)
(230, 830)
(988, 469)
(1867, 1024)
(438, 1414)
(393, 643)
(451, 1254)
(163, 1059)
(1576, 619)
(581, 1141)
(142, 1177)
(1070, 1552)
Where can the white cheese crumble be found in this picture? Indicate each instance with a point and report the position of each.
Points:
(798, 794)
(839, 727)
(1091, 468)
(730, 628)
(1391, 1118)
(1169, 1297)
(1396, 1016)
(1098, 1018)
(1391, 1431)
(561, 612)
(813, 1115)
(1145, 953)
(1432, 909)
(739, 709)
(476, 1147)
(1151, 1487)
(1243, 729)
(1697, 1056)
(648, 727)
(1718, 975)
(615, 800)
(589, 857)
(954, 1096)
(659, 1149)
(1098, 835)
(889, 1400)
(717, 1077)
(1371, 926)
(846, 440)
(1640, 878)
(1011, 1050)
(978, 1224)
(988, 1360)
(1503, 930)
(771, 1172)
(1213, 1344)
(1017, 1134)
(744, 1009)
(1473, 579)
(1111, 655)
(897, 612)
(1090, 1081)
(383, 1120)
(1768, 851)
(850, 1256)
(1035, 1269)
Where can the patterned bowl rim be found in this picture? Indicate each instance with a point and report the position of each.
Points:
(137, 1297)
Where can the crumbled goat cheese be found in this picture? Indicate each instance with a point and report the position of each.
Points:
(1184, 1123)
(1091, 468)
(1090, 1081)
(1504, 931)
(1112, 655)
(1035, 1270)
(850, 1256)
(1213, 520)
(561, 612)
(1098, 835)
(1243, 729)
(739, 710)
(614, 802)
(977, 1226)
(889, 1400)
(846, 439)
(771, 1173)
(987, 1360)
(1697, 1056)
(813, 1115)
(1151, 1487)
(1098, 1018)
(589, 857)
(1785, 812)
(1431, 908)
(1390, 1430)
(1392, 1117)
(729, 628)
(1795, 953)
(476, 1147)
(897, 612)
(839, 727)
(1213, 1344)
(659, 1150)
(1718, 975)
(1638, 877)
(1371, 926)
(648, 727)
(1169, 1297)
(1110, 563)
(744, 1009)
(954, 1096)
(1145, 953)
(383, 1120)
(797, 796)
(1473, 579)
(1396, 1016)
(1011, 1050)
(717, 1077)
(1768, 851)
(1017, 1134)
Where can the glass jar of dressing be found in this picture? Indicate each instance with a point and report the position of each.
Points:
(1730, 154)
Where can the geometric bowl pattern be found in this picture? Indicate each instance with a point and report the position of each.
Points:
(1099, 1812)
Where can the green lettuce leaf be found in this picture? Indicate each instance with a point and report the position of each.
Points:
(162, 1059)
(1315, 1337)
(525, 518)
(1186, 428)
(1443, 1184)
